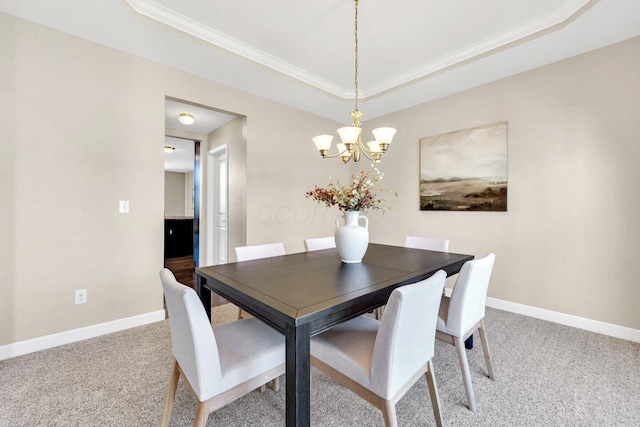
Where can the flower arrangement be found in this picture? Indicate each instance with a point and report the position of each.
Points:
(362, 195)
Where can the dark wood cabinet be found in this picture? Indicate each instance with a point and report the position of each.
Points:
(178, 237)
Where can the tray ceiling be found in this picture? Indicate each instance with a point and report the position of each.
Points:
(300, 52)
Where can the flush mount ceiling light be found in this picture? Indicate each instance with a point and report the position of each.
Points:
(351, 136)
(186, 119)
(169, 149)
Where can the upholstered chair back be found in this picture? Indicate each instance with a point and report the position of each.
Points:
(406, 335)
(468, 299)
(193, 342)
(427, 243)
(248, 253)
(319, 243)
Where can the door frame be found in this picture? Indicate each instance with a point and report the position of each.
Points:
(211, 240)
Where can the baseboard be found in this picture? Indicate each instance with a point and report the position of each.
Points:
(67, 337)
(54, 340)
(609, 329)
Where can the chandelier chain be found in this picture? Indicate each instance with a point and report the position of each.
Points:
(356, 53)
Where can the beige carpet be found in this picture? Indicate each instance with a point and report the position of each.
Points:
(547, 375)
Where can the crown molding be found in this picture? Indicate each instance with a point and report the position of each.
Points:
(560, 15)
(169, 17)
(164, 15)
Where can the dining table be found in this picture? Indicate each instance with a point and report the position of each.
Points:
(303, 294)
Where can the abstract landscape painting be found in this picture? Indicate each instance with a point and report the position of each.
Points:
(465, 170)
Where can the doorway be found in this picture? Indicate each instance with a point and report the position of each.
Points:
(221, 213)
(182, 207)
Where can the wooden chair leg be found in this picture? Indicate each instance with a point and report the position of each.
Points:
(171, 395)
(433, 393)
(485, 349)
(203, 409)
(275, 384)
(466, 374)
(389, 413)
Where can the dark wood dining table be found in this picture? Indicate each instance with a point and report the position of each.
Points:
(302, 294)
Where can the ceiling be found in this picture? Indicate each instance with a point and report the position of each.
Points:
(181, 158)
(301, 53)
(206, 120)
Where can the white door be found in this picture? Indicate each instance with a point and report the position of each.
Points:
(217, 207)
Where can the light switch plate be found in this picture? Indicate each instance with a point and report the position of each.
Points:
(81, 296)
(124, 206)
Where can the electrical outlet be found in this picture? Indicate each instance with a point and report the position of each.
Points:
(81, 296)
(123, 206)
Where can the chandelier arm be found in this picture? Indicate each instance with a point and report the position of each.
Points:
(340, 154)
(371, 155)
(364, 147)
(331, 156)
(365, 151)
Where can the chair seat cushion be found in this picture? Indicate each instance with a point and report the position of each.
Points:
(348, 348)
(247, 349)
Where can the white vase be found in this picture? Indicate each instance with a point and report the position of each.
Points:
(352, 239)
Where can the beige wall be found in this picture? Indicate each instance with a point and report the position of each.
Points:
(567, 242)
(69, 125)
(8, 179)
(174, 193)
(571, 236)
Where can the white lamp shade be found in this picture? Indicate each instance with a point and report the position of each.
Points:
(323, 142)
(384, 135)
(349, 134)
(374, 147)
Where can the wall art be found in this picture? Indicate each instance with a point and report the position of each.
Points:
(465, 170)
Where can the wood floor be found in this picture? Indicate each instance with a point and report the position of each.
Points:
(184, 268)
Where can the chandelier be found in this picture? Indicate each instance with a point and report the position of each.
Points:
(352, 147)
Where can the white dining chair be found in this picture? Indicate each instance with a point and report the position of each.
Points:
(221, 364)
(424, 243)
(248, 253)
(251, 252)
(463, 313)
(319, 243)
(431, 244)
(427, 243)
(381, 360)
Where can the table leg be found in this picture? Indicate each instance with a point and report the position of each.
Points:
(204, 294)
(468, 344)
(298, 375)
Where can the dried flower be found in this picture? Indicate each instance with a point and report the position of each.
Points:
(362, 195)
